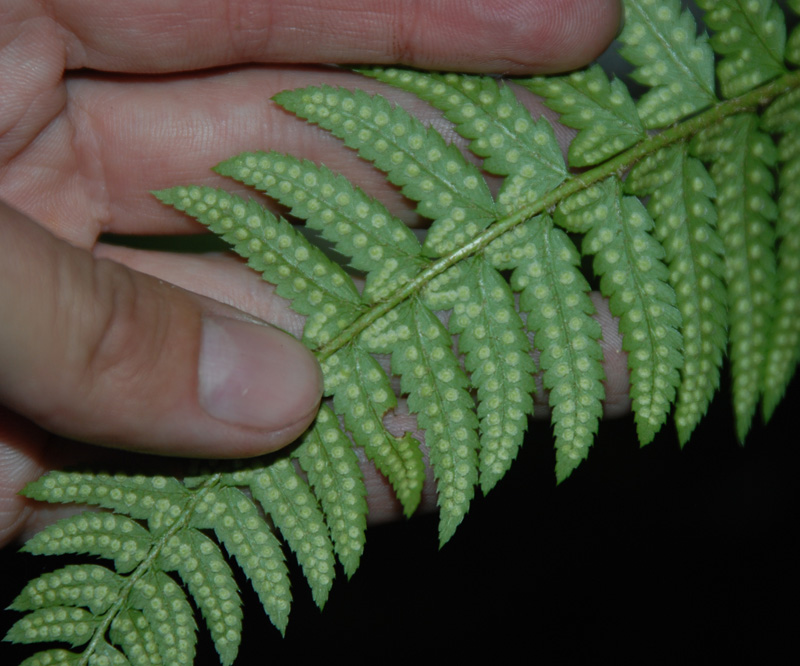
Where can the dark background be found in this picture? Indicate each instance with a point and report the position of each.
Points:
(654, 553)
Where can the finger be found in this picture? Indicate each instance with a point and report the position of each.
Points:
(505, 36)
(20, 452)
(94, 351)
(225, 279)
(26, 453)
(131, 138)
(220, 277)
(120, 139)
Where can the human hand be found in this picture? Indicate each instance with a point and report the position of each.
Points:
(102, 102)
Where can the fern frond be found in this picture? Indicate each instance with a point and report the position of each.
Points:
(89, 585)
(146, 607)
(103, 653)
(66, 624)
(113, 536)
(500, 130)
(792, 54)
(741, 157)
(661, 41)
(628, 259)
(325, 454)
(131, 631)
(493, 273)
(288, 500)
(359, 226)
(604, 113)
(108, 654)
(236, 521)
(362, 394)
(680, 191)
(555, 298)
(204, 571)
(437, 393)
(159, 499)
(450, 190)
(751, 37)
(497, 356)
(784, 343)
(281, 254)
(53, 658)
(575, 214)
(168, 614)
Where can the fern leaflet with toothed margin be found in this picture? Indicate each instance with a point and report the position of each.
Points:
(684, 202)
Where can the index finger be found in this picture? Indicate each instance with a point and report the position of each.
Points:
(503, 36)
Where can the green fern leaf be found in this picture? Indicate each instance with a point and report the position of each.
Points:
(247, 537)
(497, 355)
(711, 235)
(362, 394)
(103, 655)
(661, 42)
(164, 606)
(65, 624)
(56, 657)
(290, 262)
(784, 343)
(293, 508)
(680, 191)
(113, 536)
(449, 189)
(575, 214)
(741, 158)
(437, 393)
(783, 115)
(634, 279)
(327, 457)
(555, 298)
(131, 631)
(52, 658)
(792, 54)
(107, 655)
(751, 37)
(159, 499)
(500, 129)
(360, 227)
(204, 571)
(446, 289)
(81, 585)
(604, 113)
(506, 251)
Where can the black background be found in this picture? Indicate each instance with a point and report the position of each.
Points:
(655, 552)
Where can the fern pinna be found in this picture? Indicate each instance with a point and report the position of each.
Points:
(685, 202)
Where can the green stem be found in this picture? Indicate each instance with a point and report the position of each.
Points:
(617, 165)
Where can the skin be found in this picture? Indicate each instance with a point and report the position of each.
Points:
(103, 102)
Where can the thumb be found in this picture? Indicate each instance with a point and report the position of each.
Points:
(94, 351)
